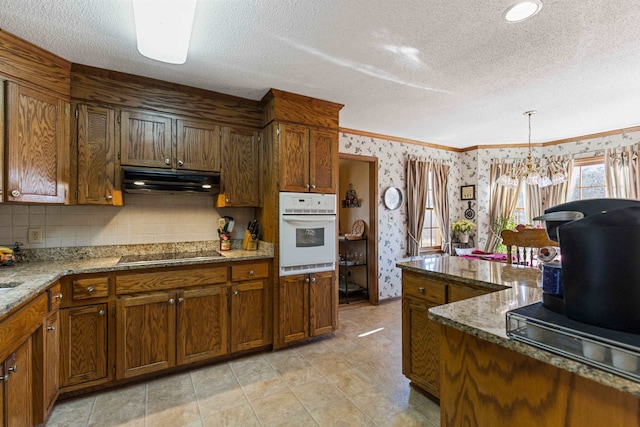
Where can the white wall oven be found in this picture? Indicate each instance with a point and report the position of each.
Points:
(308, 235)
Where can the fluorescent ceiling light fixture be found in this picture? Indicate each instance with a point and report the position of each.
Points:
(163, 28)
(522, 10)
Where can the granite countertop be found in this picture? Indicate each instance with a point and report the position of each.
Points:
(484, 316)
(24, 280)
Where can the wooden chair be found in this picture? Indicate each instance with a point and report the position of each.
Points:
(526, 240)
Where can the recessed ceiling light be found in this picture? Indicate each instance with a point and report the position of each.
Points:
(522, 10)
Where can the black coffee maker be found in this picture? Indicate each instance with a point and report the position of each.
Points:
(600, 245)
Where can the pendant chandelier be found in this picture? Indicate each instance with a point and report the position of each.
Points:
(533, 170)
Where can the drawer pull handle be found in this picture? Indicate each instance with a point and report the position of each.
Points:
(90, 289)
(59, 296)
(51, 328)
(421, 289)
(101, 313)
(250, 272)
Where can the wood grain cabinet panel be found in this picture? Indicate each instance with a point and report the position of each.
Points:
(83, 345)
(202, 324)
(145, 139)
(308, 159)
(97, 172)
(52, 361)
(37, 149)
(18, 392)
(240, 174)
(250, 326)
(322, 303)
(89, 288)
(198, 145)
(145, 334)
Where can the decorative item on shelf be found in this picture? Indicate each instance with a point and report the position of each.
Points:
(469, 213)
(534, 171)
(462, 228)
(350, 199)
(357, 230)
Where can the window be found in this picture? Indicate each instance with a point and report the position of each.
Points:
(519, 214)
(431, 238)
(588, 179)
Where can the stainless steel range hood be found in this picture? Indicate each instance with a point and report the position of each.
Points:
(166, 181)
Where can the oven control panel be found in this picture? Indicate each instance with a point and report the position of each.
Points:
(307, 203)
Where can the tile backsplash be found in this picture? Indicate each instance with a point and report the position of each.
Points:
(143, 219)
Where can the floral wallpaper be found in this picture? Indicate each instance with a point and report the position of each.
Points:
(467, 168)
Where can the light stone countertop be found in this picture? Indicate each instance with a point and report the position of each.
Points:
(28, 279)
(485, 316)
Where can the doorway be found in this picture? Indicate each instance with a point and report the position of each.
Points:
(357, 204)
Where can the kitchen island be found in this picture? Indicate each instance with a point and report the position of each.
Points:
(486, 379)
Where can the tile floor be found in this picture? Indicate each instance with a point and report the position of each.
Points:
(350, 379)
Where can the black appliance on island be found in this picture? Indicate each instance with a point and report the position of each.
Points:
(595, 318)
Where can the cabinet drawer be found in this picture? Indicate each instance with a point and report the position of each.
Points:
(252, 271)
(54, 295)
(145, 282)
(459, 293)
(425, 289)
(97, 287)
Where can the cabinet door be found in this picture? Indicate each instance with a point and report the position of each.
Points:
(239, 175)
(83, 344)
(145, 140)
(202, 324)
(145, 334)
(37, 147)
(249, 315)
(198, 146)
(294, 158)
(323, 161)
(96, 157)
(51, 357)
(293, 316)
(322, 303)
(18, 391)
(420, 345)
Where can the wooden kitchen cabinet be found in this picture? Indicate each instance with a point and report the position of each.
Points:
(250, 315)
(145, 139)
(308, 159)
(17, 386)
(239, 175)
(198, 145)
(421, 335)
(202, 324)
(98, 180)
(83, 345)
(307, 306)
(51, 361)
(37, 148)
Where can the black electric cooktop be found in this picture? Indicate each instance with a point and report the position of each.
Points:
(168, 256)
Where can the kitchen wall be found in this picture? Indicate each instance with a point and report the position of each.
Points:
(143, 219)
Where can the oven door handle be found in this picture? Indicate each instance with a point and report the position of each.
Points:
(309, 218)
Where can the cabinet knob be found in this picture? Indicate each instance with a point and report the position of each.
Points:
(250, 272)
(90, 289)
(307, 186)
(313, 280)
(5, 377)
(51, 328)
(108, 197)
(180, 163)
(235, 292)
(167, 161)
(101, 313)
(421, 290)
(13, 369)
(172, 301)
(306, 280)
(59, 296)
(313, 186)
(180, 299)
(15, 193)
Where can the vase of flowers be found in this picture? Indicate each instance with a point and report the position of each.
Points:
(462, 228)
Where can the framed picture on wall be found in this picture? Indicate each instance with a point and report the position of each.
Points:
(468, 192)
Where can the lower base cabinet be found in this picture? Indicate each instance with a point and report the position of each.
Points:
(83, 345)
(250, 326)
(17, 394)
(308, 306)
(51, 361)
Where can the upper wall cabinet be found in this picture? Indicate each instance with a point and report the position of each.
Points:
(239, 177)
(145, 140)
(198, 145)
(97, 177)
(36, 146)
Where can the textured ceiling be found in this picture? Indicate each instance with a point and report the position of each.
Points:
(446, 72)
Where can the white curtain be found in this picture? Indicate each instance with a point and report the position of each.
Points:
(502, 201)
(622, 172)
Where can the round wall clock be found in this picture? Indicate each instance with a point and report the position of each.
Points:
(392, 198)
